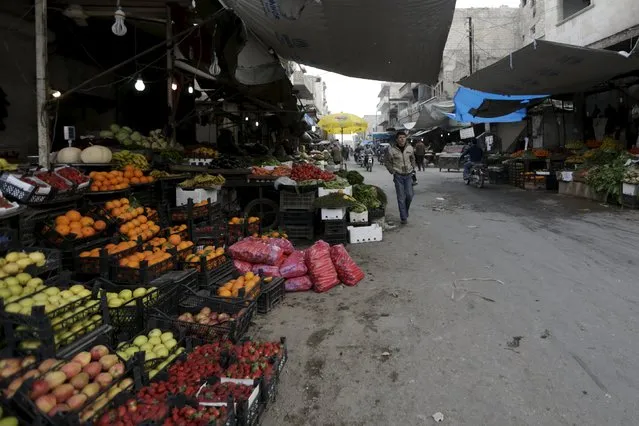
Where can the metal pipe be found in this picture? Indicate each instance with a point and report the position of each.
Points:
(41, 82)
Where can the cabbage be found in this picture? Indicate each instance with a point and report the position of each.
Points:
(114, 128)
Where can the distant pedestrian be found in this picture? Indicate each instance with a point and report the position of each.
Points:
(337, 154)
(400, 162)
(420, 154)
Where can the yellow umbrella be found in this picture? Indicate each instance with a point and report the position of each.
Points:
(343, 123)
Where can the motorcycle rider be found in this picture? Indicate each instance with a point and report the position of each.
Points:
(475, 156)
(368, 152)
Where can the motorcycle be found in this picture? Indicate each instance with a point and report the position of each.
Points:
(368, 162)
(477, 175)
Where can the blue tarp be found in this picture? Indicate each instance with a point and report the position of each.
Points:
(309, 120)
(473, 106)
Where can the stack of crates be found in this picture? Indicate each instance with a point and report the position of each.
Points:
(297, 215)
(335, 231)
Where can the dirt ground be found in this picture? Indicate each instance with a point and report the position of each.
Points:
(493, 306)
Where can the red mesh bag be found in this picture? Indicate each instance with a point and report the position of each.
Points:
(282, 243)
(320, 267)
(294, 266)
(266, 270)
(254, 250)
(242, 267)
(302, 283)
(347, 270)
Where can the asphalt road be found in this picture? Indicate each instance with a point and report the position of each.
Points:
(493, 306)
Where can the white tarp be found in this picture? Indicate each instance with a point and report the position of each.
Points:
(396, 40)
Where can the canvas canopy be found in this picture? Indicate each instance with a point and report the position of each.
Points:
(549, 68)
(473, 106)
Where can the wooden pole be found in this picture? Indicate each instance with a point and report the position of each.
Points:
(44, 145)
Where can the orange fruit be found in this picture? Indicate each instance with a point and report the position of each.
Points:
(86, 221)
(99, 225)
(142, 219)
(135, 181)
(133, 264)
(124, 201)
(175, 239)
(88, 232)
(124, 228)
(63, 230)
(73, 215)
(138, 173)
(61, 220)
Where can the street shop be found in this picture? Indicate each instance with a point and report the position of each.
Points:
(128, 285)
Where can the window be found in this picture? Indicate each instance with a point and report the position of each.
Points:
(571, 7)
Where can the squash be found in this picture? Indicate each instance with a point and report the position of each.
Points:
(96, 154)
(69, 155)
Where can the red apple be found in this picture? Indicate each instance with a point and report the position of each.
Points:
(104, 379)
(60, 408)
(108, 361)
(55, 378)
(117, 370)
(31, 373)
(71, 369)
(98, 352)
(47, 365)
(93, 369)
(45, 403)
(39, 388)
(77, 401)
(83, 358)
(63, 392)
(80, 381)
(9, 370)
(91, 390)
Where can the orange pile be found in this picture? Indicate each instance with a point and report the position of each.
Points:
(141, 227)
(123, 210)
(110, 248)
(201, 203)
(73, 223)
(151, 257)
(209, 252)
(171, 242)
(177, 229)
(108, 181)
(136, 176)
(232, 288)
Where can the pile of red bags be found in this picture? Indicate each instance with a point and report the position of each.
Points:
(320, 267)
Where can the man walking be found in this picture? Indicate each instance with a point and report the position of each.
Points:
(420, 154)
(400, 162)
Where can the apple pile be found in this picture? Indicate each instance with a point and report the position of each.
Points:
(17, 261)
(7, 420)
(51, 298)
(14, 287)
(68, 386)
(11, 367)
(155, 345)
(207, 317)
(127, 297)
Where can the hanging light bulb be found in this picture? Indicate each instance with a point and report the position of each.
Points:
(246, 118)
(56, 94)
(139, 84)
(174, 86)
(190, 89)
(257, 124)
(118, 28)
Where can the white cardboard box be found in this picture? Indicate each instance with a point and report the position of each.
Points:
(630, 189)
(333, 214)
(323, 191)
(182, 195)
(365, 234)
(358, 217)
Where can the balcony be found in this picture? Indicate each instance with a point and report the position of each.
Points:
(383, 104)
(302, 85)
(406, 91)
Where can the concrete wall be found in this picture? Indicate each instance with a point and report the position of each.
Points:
(496, 34)
(532, 21)
(603, 19)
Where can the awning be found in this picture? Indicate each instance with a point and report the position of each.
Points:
(549, 68)
(323, 34)
(473, 106)
(309, 120)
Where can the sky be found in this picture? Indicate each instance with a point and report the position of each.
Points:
(359, 97)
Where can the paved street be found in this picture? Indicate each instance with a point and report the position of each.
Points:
(493, 307)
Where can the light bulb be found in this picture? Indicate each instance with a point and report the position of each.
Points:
(246, 119)
(190, 89)
(118, 28)
(174, 86)
(56, 94)
(139, 85)
(257, 123)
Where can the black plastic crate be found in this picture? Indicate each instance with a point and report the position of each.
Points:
(297, 218)
(335, 227)
(271, 295)
(190, 212)
(299, 232)
(19, 194)
(334, 239)
(630, 201)
(245, 414)
(33, 217)
(192, 304)
(374, 214)
(292, 201)
(187, 279)
(91, 265)
(222, 273)
(142, 275)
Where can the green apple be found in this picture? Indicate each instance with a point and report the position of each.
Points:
(5, 293)
(140, 340)
(11, 281)
(166, 336)
(12, 257)
(155, 341)
(170, 344)
(156, 332)
(76, 289)
(11, 269)
(51, 291)
(54, 300)
(22, 255)
(146, 347)
(114, 302)
(23, 263)
(132, 351)
(25, 310)
(84, 293)
(65, 294)
(15, 290)
(161, 351)
(126, 294)
(35, 282)
(23, 278)
(37, 256)
(139, 292)
(13, 308)
(122, 354)
(26, 302)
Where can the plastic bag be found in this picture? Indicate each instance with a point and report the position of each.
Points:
(282, 243)
(302, 283)
(320, 267)
(347, 270)
(266, 270)
(254, 250)
(242, 267)
(294, 266)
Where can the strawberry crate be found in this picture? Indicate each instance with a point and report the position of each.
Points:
(142, 275)
(192, 304)
(33, 192)
(215, 393)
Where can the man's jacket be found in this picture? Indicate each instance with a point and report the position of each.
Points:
(400, 162)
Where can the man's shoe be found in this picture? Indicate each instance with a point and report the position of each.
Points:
(403, 222)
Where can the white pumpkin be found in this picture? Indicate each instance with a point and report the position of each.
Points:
(96, 154)
(69, 155)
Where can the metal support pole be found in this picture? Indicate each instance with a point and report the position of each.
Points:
(169, 68)
(41, 82)
(470, 43)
